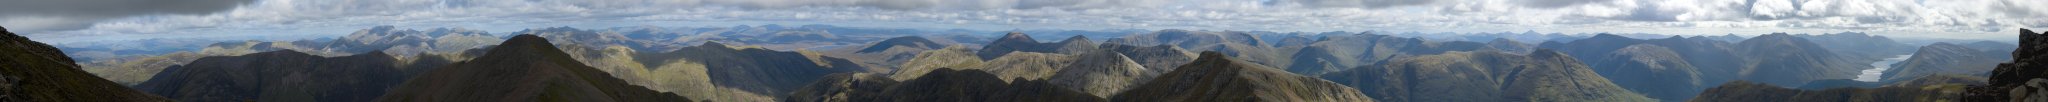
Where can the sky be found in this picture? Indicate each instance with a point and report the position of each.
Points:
(98, 20)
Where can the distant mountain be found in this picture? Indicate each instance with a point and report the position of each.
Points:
(950, 57)
(1101, 73)
(753, 69)
(1027, 65)
(901, 42)
(1508, 45)
(1019, 42)
(37, 72)
(1337, 53)
(1944, 58)
(1782, 59)
(1242, 45)
(890, 53)
(938, 85)
(1653, 70)
(1543, 75)
(1867, 47)
(2020, 79)
(1715, 61)
(281, 76)
(1156, 59)
(408, 41)
(134, 70)
(1216, 77)
(523, 68)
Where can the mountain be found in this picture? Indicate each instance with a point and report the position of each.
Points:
(950, 57)
(943, 84)
(753, 69)
(1101, 73)
(1782, 59)
(2020, 79)
(1868, 47)
(1944, 58)
(1019, 42)
(1027, 65)
(901, 42)
(1715, 60)
(37, 72)
(1217, 77)
(280, 76)
(408, 41)
(1653, 70)
(1744, 91)
(523, 68)
(1234, 43)
(1543, 75)
(1507, 45)
(134, 70)
(1337, 53)
(1156, 59)
(889, 53)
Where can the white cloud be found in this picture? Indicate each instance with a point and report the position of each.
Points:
(1945, 18)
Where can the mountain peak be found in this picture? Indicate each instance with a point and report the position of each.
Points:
(1016, 36)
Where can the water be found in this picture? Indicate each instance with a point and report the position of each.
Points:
(1877, 68)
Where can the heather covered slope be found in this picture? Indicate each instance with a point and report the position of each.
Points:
(1216, 77)
(36, 72)
(281, 76)
(1543, 75)
(524, 68)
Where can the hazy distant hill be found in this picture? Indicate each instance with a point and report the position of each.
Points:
(1019, 42)
(36, 72)
(1216, 77)
(1487, 76)
(523, 68)
(1341, 52)
(1782, 59)
(1944, 58)
(1234, 43)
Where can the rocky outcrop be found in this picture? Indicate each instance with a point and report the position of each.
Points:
(2023, 79)
(1217, 77)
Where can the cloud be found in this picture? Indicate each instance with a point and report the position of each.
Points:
(315, 17)
(44, 15)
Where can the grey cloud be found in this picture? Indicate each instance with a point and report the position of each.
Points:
(1372, 4)
(1559, 3)
(84, 12)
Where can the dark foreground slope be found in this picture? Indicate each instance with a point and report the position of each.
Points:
(940, 85)
(1217, 77)
(1486, 76)
(279, 76)
(2020, 79)
(524, 68)
(36, 72)
(1744, 91)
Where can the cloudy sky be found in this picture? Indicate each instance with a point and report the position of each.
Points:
(92, 20)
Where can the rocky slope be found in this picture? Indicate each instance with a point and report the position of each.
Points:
(1543, 75)
(37, 72)
(523, 68)
(1216, 77)
(2021, 79)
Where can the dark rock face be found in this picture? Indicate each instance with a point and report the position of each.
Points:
(1217, 77)
(2021, 79)
(524, 68)
(279, 76)
(36, 72)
